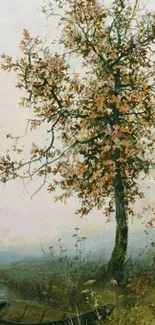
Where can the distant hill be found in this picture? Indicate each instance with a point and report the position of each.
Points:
(7, 257)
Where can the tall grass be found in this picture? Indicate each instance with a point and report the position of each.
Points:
(58, 279)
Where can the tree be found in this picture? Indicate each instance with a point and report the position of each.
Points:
(100, 124)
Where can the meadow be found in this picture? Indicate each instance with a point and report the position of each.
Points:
(64, 282)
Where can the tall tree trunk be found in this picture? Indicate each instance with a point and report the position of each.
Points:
(116, 263)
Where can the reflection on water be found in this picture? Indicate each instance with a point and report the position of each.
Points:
(3, 291)
(8, 293)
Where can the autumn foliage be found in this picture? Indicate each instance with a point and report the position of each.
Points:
(100, 121)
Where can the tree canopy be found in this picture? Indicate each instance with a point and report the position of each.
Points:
(103, 116)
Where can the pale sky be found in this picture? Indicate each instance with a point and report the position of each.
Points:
(24, 221)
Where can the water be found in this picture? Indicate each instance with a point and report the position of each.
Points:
(3, 291)
(7, 293)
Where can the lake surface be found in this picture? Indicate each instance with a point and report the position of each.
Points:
(3, 291)
(8, 293)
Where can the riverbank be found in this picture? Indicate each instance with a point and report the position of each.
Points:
(58, 284)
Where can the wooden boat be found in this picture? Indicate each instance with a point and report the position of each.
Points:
(88, 318)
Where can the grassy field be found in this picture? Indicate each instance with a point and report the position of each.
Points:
(63, 283)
